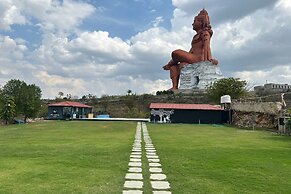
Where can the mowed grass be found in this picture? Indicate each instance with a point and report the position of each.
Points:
(92, 157)
(217, 159)
(65, 157)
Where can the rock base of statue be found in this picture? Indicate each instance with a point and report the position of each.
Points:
(199, 75)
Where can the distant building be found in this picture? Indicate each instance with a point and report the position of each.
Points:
(68, 110)
(188, 113)
(272, 88)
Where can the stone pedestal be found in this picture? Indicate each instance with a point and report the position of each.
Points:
(199, 75)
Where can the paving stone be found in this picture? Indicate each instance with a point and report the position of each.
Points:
(134, 169)
(133, 184)
(135, 156)
(132, 192)
(134, 176)
(135, 159)
(153, 160)
(136, 150)
(160, 185)
(151, 151)
(134, 164)
(156, 170)
(154, 164)
(162, 192)
(152, 156)
(135, 153)
(158, 177)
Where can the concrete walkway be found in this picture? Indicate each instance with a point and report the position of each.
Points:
(134, 180)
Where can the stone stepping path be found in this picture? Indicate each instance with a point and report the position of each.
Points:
(134, 181)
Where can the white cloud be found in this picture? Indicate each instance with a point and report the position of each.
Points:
(54, 83)
(278, 74)
(10, 14)
(157, 21)
(52, 15)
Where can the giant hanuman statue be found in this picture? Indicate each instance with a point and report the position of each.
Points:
(200, 52)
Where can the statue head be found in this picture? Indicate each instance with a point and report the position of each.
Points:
(201, 21)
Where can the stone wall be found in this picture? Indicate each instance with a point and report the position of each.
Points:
(260, 107)
(256, 114)
(254, 119)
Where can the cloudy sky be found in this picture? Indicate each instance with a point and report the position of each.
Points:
(108, 47)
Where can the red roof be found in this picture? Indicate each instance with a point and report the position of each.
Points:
(185, 106)
(70, 104)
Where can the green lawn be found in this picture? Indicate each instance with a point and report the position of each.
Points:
(216, 159)
(92, 157)
(65, 157)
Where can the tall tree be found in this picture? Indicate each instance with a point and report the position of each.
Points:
(13, 88)
(31, 95)
(26, 97)
(234, 87)
(7, 111)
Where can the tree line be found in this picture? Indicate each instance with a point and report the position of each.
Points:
(19, 99)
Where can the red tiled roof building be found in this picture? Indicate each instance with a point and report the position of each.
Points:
(68, 110)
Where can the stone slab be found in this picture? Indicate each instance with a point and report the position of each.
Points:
(133, 184)
(160, 185)
(156, 170)
(131, 192)
(158, 177)
(152, 156)
(151, 151)
(135, 156)
(154, 164)
(135, 153)
(133, 176)
(134, 169)
(134, 164)
(153, 160)
(162, 192)
(135, 160)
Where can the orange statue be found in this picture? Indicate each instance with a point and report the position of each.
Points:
(200, 49)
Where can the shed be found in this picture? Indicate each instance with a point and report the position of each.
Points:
(188, 113)
(68, 110)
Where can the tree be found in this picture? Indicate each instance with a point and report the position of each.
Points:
(227, 86)
(104, 101)
(26, 97)
(13, 88)
(61, 94)
(31, 95)
(129, 92)
(7, 112)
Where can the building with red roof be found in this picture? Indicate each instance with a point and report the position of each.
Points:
(187, 113)
(68, 110)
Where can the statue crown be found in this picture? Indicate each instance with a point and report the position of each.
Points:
(203, 15)
(203, 12)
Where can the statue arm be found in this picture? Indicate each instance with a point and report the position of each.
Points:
(206, 45)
